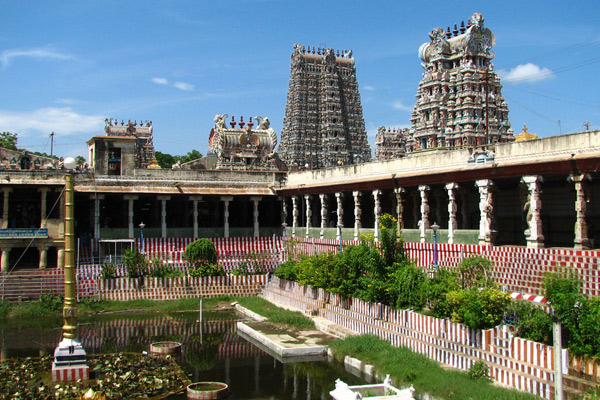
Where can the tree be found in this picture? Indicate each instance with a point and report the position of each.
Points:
(164, 160)
(8, 140)
(80, 161)
(190, 156)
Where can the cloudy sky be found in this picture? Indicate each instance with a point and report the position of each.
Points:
(65, 66)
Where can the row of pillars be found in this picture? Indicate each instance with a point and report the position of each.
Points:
(532, 207)
(163, 214)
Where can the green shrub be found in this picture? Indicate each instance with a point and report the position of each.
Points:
(207, 270)
(108, 271)
(241, 269)
(478, 308)
(287, 270)
(392, 246)
(159, 270)
(409, 286)
(135, 263)
(588, 342)
(51, 302)
(476, 271)
(479, 370)
(531, 322)
(437, 289)
(562, 291)
(201, 251)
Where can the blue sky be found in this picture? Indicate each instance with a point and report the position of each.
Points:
(65, 66)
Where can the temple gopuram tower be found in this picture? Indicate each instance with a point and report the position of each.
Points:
(459, 100)
(323, 124)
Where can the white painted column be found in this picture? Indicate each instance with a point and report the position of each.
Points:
(452, 208)
(255, 200)
(5, 221)
(5, 262)
(340, 212)
(307, 198)
(130, 199)
(226, 200)
(44, 198)
(399, 208)
(582, 241)
(60, 258)
(294, 215)
(163, 215)
(486, 209)
(97, 198)
(357, 214)
(195, 200)
(323, 198)
(43, 257)
(533, 207)
(424, 222)
(377, 212)
(284, 209)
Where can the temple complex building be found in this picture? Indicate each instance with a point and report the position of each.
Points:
(323, 124)
(393, 143)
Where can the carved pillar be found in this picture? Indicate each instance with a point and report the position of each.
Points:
(163, 215)
(399, 208)
(582, 240)
(130, 199)
(284, 209)
(294, 215)
(43, 257)
(451, 188)
(486, 208)
(377, 211)
(255, 200)
(324, 200)
(5, 263)
(533, 207)
(357, 214)
(340, 212)
(307, 198)
(97, 198)
(6, 196)
(44, 195)
(226, 200)
(424, 222)
(195, 200)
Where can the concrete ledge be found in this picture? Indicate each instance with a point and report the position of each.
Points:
(249, 313)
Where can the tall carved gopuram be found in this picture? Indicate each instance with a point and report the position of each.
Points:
(323, 124)
(459, 100)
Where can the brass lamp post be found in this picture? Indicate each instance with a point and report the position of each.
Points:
(69, 357)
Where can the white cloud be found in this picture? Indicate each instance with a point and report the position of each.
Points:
(368, 88)
(526, 73)
(160, 81)
(8, 56)
(399, 105)
(184, 86)
(63, 121)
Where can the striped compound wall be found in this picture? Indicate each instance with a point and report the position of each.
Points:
(515, 362)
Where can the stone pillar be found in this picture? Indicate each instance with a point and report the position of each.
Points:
(486, 208)
(60, 258)
(307, 198)
(255, 200)
(377, 211)
(340, 213)
(399, 208)
(582, 240)
(163, 215)
(130, 199)
(533, 209)
(195, 200)
(44, 195)
(324, 199)
(424, 222)
(357, 214)
(97, 198)
(284, 209)
(6, 192)
(294, 215)
(5, 263)
(226, 200)
(451, 188)
(43, 257)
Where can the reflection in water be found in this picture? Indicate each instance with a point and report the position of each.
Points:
(213, 352)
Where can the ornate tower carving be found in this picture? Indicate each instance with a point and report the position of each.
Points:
(323, 124)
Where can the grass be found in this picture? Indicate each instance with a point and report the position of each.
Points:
(276, 314)
(406, 367)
